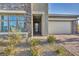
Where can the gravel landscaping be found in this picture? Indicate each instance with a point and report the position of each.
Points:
(62, 47)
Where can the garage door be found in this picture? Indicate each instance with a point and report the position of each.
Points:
(57, 27)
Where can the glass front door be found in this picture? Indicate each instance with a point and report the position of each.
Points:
(36, 25)
(37, 28)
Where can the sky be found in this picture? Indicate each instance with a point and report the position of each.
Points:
(63, 8)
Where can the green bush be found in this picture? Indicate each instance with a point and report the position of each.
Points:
(35, 42)
(60, 51)
(51, 39)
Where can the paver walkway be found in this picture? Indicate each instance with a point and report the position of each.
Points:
(67, 38)
(73, 49)
(70, 42)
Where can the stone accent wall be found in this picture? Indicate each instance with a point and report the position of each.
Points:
(27, 8)
(12, 6)
(21, 7)
(74, 27)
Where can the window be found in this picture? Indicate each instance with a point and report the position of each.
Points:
(4, 26)
(12, 22)
(21, 18)
(21, 21)
(12, 18)
(4, 23)
(21, 26)
(4, 18)
(12, 25)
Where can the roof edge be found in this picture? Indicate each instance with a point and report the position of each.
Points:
(65, 15)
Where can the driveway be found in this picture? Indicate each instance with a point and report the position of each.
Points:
(71, 43)
(67, 38)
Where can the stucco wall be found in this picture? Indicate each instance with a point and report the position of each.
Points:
(61, 18)
(42, 8)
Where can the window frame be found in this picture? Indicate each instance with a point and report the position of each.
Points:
(9, 21)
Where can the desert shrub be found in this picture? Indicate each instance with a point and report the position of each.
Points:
(60, 51)
(10, 51)
(36, 50)
(15, 37)
(35, 47)
(1, 42)
(13, 40)
(51, 39)
(35, 42)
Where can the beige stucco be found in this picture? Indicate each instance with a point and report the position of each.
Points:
(41, 9)
(62, 18)
(59, 27)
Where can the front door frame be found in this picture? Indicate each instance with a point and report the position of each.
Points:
(39, 21)
(39, 13)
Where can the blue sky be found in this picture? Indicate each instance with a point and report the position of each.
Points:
(63, 8)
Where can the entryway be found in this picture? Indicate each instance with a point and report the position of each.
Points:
(37, 25)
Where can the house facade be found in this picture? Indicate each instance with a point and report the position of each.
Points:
(47, 24)
(34, 19)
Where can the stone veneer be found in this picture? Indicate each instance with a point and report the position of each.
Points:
(21, 7)
(74, 27)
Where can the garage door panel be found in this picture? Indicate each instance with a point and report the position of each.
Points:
(56, 27)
